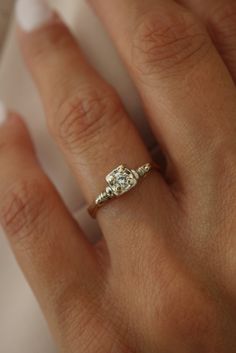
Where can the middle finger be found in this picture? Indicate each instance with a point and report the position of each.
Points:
(181, 78)
(220, 19)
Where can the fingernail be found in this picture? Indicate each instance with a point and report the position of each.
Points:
(3, 113)
(32, 14)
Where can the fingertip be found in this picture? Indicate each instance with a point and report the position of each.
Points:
(32, 14)
(7, 116)
(13, 129)
(14, 118)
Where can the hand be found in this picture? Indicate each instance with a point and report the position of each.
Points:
(163, 278)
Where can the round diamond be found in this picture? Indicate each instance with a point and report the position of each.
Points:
(121, 180)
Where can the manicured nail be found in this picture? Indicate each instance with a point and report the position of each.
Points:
(33, 14)
(3, 113)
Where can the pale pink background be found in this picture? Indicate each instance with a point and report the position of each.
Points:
(22, 327)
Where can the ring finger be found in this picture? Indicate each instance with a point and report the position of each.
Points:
(87, 119)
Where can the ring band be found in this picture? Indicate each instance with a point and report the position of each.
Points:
(120, 181)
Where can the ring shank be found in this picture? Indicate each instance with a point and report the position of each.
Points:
(93, 209)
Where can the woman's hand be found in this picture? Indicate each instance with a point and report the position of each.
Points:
(163, 278)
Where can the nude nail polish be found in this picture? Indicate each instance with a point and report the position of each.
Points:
(33, 14)
(3, 113)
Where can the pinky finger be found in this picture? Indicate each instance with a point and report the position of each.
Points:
(54, 255)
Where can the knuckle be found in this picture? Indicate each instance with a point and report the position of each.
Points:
(84, 117)
(21, 207)
(169, 42)
(222, 20)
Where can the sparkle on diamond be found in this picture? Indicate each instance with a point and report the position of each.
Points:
(121, 180)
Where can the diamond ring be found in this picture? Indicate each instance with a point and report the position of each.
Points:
(120, 181)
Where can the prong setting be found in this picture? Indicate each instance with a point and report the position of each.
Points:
(121, 180)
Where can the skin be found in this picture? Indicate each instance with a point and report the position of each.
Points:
(163, 278)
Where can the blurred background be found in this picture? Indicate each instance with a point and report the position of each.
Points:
(6, 7)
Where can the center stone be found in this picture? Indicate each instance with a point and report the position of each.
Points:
(121, 180)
